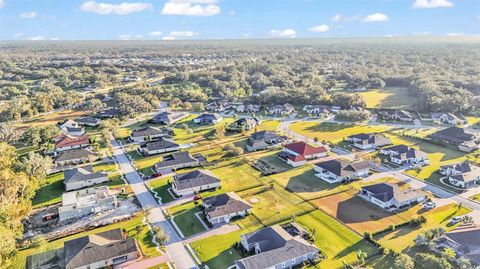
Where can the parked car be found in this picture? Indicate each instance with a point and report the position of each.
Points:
(455, 220)
(429, 205)
(156, 175)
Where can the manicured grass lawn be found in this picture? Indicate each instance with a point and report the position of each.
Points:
(402, 238)
(389, 97)
(236, 175)
(51, 192)
(160, 186)
(337, 241)
(188, 223)
(333, 132)
(143, 237)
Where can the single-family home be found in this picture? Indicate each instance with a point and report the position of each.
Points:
(75, 156)
(160, 145)
(369, 141)
(109, 113)
(339, 170)
(102, 250)
(215, 107)
(208, 118)
(464, 174)
(465, 140)
(319, 110)
(275, 247)
(176, 160)
(251, 108)
(465, 241)
(448, 118)
(88, 121)
(401, 154)
(224, 207)
(71, 128)
(82, 177)
(79, 203)
(398, 115)
(243, 124)
(298, 153)
(264, 139)
(65, 142)
(194, 182)
(285, 109)
(146, 133)
(390, 196)
(168, 117)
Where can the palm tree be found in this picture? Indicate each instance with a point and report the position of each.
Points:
(361, 256)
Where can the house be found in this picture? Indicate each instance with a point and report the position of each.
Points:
(339, 170)
(448, 118)
(208, 118)
(71, 128)
(168, 117)
(215, 107)
(285, 109)
(146, 133)
(243, 124)
(464, 174)
(65, 142)
(318, 110)
(275, 247)
(101, 250)
(401, 154)
(390, 196)
(465, 240)
(299, 153)
(109, 113)
(158, 146)
(75, 156)
(194, 182)
(82, 177)
(88, 121)
(460, 137)
(264, 139)
(224, 207)
(397, 115)
(251, 108)
(176, 160)
(369, 141)
(79, 203)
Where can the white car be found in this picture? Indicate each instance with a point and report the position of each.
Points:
(455, 220)
(429, 205)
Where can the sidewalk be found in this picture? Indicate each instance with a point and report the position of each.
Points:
(146, 263)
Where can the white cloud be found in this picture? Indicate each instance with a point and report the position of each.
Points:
(28, 15)
(342, 18)
(322, 28)
(283, 33)
(54, 38)
(36, 38)
(2, 3)
(124, 37)
(119, 9)
(155, 33)
(432, 3)
(191, 8)
(17, 35)
(168, 38)
(376, 17)
(181, 34)
(455, 34)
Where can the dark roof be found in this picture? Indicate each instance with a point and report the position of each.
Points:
(169, 117)
(146, 131)
(87, 119)
(264, 135)
(386, 192)
(159, 144)
(194, 179)
(468, 238)
(82, 174)
(74, 154)
(372, 138)
(454, 135)
(98, 247)
(111, 112)
(209, 117)
(341, 167)
(175, 159)
(224, 204)
(302, 148)
(406, 152)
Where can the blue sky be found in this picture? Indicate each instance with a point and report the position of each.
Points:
(221, 19)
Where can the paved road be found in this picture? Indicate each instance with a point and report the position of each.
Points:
(175, 248)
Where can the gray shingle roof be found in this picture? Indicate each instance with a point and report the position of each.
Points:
(159, 144)
(176, 158)
(224, 204)
(264, 135)
(82, 174)
(386, 192)
(74, 154)
(454, 135)
(194, 179)
(341, 167)
(146, 131)
(87, 119)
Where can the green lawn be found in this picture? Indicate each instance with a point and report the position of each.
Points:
(188, 223)
(143, 237)
(389, 97)
(51, 192)
(402, 238)
(160, 186)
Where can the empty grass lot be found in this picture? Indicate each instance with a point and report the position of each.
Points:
(144, 239)
(389, 97)
(402, 238)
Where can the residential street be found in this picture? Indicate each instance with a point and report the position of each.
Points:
(175, 248)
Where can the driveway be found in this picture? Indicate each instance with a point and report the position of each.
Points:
(174, 246)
